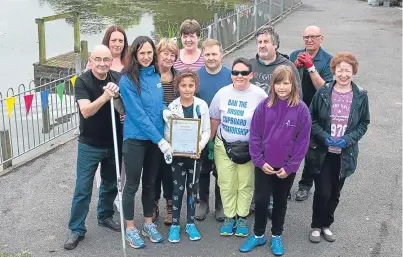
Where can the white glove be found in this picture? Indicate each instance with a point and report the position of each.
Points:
(166, 149)
(166, 115)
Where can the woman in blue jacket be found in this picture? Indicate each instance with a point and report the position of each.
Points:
(143, 141)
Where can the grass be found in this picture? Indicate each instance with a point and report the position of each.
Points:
(22, 254)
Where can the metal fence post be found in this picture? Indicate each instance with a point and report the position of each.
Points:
(238, 27)
(255, 17)
(6, 148)
(282, 3)
(270, 8)
(215, 27)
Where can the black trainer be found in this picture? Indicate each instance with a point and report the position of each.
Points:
(109, 223)
(72, 241)
(302, 194)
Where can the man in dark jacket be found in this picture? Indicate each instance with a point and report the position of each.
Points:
(266, 61)
(313, 64)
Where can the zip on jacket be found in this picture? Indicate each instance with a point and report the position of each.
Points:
(357, 125)
(200, 111)
(143, 119)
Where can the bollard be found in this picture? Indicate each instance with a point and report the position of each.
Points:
(84, 53)
(6, 149)
(45, 120)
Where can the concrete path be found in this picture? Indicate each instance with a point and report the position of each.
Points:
(35, 200)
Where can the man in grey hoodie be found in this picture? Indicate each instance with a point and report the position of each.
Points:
(266, 60)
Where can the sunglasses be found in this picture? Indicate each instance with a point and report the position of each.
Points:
(243, 73)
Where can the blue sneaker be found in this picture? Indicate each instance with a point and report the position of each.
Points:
(150, 231)
(227, 228)
(277, 245)
(192, 231)
(174, 234)
(252, 242)
(242, 229)
(134, 238)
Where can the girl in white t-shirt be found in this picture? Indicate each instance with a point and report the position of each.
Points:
(231, 112)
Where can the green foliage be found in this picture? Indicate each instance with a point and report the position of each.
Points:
(173, 32)
(22, 254)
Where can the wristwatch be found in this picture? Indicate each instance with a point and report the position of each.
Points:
(312, 69)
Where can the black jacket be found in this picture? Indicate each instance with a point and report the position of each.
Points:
(357, 125)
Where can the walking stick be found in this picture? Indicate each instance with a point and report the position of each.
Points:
(119, 182)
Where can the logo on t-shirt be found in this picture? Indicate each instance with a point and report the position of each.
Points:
(159, 85)
(288, 123)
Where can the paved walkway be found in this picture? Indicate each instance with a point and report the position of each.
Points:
(35, 200)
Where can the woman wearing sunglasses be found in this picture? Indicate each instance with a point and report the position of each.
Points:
(231, 112)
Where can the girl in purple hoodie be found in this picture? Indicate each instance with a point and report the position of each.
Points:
(279, 140)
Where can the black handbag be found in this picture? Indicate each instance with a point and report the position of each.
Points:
(237, 151)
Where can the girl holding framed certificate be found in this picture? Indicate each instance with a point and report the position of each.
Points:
(185, 173)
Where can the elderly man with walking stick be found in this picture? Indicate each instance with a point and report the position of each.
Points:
(93, 91)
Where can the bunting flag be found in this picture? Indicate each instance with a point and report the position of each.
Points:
(10, 101)
(73, 80)
(44, 98)
(28, 102)
(59, 90)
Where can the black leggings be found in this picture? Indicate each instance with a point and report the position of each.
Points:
(164, 177)
(140, 155)
(264, 184)
(182, 174)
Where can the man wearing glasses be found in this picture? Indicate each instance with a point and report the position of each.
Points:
(313, 64)
(93, 91)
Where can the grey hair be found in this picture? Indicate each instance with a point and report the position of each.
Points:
(269, 30)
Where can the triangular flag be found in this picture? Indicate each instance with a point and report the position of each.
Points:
(10, 105)
(44, 98)
(73, 80)
(28, 102)
(59, 90)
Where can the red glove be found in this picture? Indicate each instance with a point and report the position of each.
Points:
(298, 63)
(306, 59)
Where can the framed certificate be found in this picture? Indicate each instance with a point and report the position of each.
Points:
(185, 137)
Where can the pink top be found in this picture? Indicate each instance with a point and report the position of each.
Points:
(341, 103)
(179, 65)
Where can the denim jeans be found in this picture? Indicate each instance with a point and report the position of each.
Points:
(88, 158)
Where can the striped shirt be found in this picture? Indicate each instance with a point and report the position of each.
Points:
(169, 92)
(180, 66)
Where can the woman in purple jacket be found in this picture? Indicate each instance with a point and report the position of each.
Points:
(279, 140)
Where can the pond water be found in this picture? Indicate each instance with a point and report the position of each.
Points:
(19, 38)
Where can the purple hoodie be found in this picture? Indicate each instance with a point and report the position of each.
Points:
(279, 135)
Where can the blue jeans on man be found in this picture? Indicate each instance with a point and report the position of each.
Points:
(88, 158)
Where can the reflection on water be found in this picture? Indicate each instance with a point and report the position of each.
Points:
(19, 38)
(97, 15)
